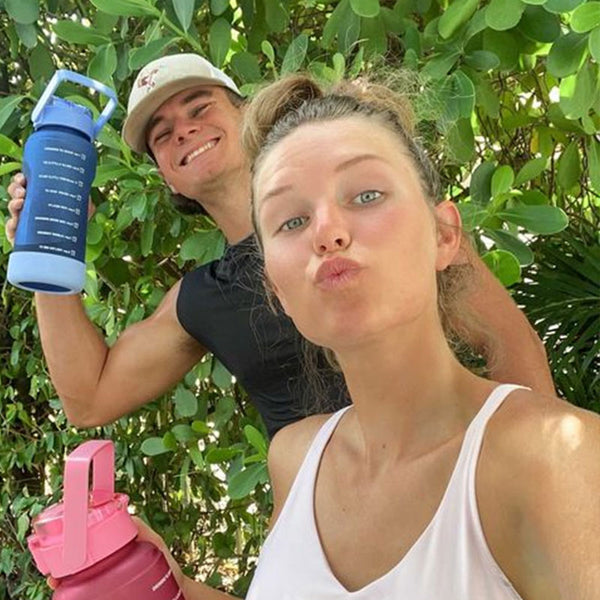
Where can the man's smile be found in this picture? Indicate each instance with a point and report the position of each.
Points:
(188, 158)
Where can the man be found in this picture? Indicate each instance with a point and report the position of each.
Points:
(187, 114)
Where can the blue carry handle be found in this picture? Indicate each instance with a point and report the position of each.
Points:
(65, 75)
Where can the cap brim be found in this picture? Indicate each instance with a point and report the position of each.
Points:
(134, 127)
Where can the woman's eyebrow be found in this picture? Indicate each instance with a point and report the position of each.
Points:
(357, 159)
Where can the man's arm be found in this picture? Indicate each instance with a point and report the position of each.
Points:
(512, 348)
(98, 384)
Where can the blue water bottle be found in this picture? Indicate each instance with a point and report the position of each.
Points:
(59, 163)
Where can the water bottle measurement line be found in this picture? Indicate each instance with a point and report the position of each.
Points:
(59, 178)
(76, 197)
(73, 224)
(80, 155)
(64, 165)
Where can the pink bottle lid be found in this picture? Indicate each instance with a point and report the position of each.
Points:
(85, 527)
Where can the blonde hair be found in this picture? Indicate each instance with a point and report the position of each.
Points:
(285, 105)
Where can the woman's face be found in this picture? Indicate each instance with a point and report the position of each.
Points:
(351, 246)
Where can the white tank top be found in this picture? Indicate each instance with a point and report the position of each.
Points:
(449, 561)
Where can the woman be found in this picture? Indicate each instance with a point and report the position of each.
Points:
(434, 483)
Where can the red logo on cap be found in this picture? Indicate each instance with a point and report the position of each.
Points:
(147, 81)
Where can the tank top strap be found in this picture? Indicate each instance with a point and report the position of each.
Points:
(476, 430)
(310, 464)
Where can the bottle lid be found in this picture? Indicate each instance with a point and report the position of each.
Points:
(85, 527)
(59, 111)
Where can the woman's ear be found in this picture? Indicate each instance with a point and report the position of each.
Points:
(449, 233)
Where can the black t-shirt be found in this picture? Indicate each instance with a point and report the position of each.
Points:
(223, 305)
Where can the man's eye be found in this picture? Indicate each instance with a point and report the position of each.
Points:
(199, 109)
(161, 135)
(294, 223)
(367, 196)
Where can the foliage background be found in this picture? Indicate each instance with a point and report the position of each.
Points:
(507, 94)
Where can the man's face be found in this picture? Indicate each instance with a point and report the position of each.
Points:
(195, 139)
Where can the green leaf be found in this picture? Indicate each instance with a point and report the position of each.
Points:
(438, 67)
(10, 148)
(221, 376)
(242, 483)
(147, 237)
(530, 170)
(579, 92)
(276, 15)
(374, 33)
(586, 17)
(461, 141)
(594, 43)
(471, 215)
(505, 240)
(23, 11)
(267, 50)
(27, 34)
(220, 455)
(593, 156)
(539, 25)
(224, 411)
(218, 7)
(567, 54)
(561, 6)
(246, 67)
(9, 167)
(295, 54)
(457, 14)
(504, 14)
(76, 33)
(41, 65)
(480, 188)
(569, 167)
(202, 246)
(540, 219)
(219, 40)
(482, 60)
(365, 8)
(183, 433)
(504, 45)
(138, 57)
(126, 8)
(153, 446)
(184, 9)
(186, 403)
(503, 265)
(104, 64)
(502, 180)
(460, 96)
(256, 439)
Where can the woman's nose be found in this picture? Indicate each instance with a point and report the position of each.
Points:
(331, 232)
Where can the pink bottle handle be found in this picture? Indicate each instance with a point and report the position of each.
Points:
(101, 453)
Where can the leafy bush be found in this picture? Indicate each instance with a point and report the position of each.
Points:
(508, 100)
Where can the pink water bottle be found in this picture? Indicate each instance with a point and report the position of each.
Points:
(88, 543)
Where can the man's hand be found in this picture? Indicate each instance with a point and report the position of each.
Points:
(16, 191)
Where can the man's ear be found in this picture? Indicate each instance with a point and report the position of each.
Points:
(449, 233)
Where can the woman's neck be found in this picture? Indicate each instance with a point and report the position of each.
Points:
(410, 394)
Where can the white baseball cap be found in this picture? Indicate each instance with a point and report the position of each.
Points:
(157, 82)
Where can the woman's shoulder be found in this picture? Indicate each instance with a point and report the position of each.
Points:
(538, 444)
(530, 422)
(286, 454)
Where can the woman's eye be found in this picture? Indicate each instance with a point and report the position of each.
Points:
(294, 223)
(367, 196)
